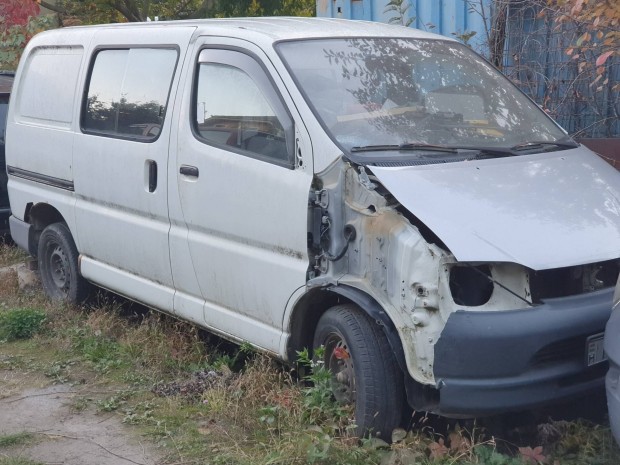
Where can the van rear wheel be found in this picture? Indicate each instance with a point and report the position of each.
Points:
(58, 265)
(364, 370)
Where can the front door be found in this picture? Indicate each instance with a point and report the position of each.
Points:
(242, 197)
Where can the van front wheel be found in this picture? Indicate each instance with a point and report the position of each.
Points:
(364, 370)
(58, 265)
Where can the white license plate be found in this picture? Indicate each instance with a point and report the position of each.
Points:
(594, 350)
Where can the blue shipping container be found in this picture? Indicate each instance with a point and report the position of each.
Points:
(453, 18)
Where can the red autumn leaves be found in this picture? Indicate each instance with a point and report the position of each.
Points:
(17, 12)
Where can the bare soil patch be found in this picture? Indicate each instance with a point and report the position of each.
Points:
(61, 433)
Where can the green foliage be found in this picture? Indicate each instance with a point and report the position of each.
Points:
(103, 352)
(320, 406)
(581, 443)
(13, 39)
(486, 455)
(20, 323)
(17, 461)
(17, 439)
(106, 11)
(400, 8)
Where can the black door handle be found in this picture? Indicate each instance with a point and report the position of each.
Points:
(188, 170)
(152, 175)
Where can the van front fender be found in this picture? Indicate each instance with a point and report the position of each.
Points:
(378, 314)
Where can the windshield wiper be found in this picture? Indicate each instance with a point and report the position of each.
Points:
(516, 149)
(413, 147)
(564, 144)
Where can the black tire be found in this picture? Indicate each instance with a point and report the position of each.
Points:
(367, 376)
(58, 265)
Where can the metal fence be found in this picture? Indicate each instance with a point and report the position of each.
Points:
(535, 59)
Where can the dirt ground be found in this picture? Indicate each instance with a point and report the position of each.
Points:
(62, 434)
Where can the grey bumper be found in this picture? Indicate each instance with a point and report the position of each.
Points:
(22, 234)
(612, 381)
(491, 362)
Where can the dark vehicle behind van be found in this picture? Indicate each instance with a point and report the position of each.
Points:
(6, 82)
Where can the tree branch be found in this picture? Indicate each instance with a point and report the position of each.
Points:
(53, 7)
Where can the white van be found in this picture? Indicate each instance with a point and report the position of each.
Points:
(377, 190)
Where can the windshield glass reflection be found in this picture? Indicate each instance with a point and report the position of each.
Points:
(386, 91)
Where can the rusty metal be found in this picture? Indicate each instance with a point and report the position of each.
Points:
(608, 149)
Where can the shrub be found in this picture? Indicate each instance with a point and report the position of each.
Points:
(20, 323)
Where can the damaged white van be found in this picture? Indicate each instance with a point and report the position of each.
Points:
(376, 190)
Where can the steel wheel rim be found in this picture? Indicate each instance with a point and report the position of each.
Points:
(59, 268)
(339, 362)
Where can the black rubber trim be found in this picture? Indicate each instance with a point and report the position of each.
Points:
(41, 178)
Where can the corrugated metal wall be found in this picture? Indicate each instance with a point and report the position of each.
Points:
(446, 17)
(535, 59)
(534, 54)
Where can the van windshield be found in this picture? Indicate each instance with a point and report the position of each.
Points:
(390, 97)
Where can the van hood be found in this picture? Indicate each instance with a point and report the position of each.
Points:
(542, 211)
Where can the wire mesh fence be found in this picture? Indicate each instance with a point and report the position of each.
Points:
(569, 89)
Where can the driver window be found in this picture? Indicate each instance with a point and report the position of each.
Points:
(234, 112)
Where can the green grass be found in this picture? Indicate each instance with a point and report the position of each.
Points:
(17, 439)
(17, 461)
(20, 323)
(142, 367)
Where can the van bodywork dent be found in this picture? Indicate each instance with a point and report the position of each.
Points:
(431, 299)
(390, 260)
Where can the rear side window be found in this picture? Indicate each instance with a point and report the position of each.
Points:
(128, 92)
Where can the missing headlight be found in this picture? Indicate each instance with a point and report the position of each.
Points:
(573, 280)
(470, 285)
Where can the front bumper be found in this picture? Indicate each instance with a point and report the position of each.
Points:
(493, 362)
(612, 380)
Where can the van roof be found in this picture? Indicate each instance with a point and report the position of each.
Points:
(285, 28)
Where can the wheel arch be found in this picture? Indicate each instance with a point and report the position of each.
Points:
(39, 216)
(317, 301)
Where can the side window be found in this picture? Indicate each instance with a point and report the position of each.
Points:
(238, 109)
(128, 92)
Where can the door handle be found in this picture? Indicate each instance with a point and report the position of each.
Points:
(152, 165)
(187, 170)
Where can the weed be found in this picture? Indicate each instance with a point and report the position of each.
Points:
(102, 351)
(17, 461)
(140, 413)
(320, 406)
(10, 255)
(579, 442)
(487, 455)
(114, 402)
(57, 371)
(20, 323)
(17, 439)
(80, 403)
